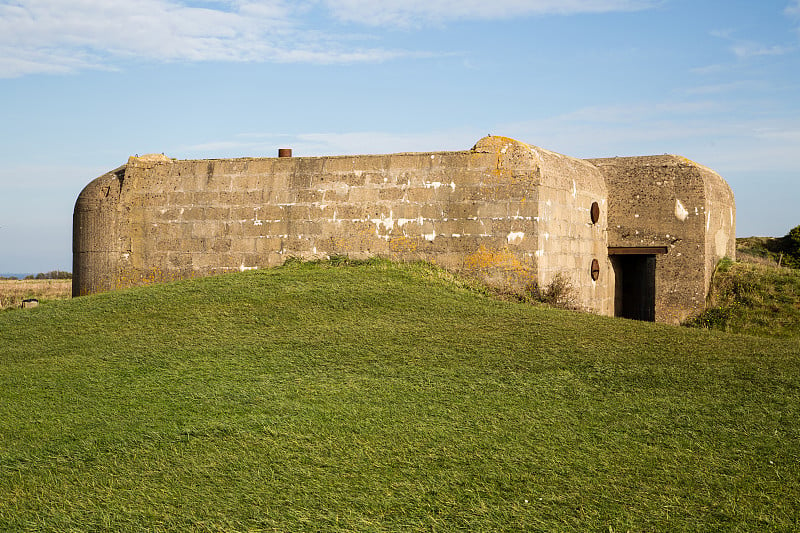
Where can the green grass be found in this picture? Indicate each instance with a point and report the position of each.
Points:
(383, 398)
(754, 299)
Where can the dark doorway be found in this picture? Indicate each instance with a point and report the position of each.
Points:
(635, 294)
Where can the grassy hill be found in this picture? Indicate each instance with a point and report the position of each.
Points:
(756, 298)
(384, 398)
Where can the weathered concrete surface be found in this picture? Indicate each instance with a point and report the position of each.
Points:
(674, 202)
(504, 211)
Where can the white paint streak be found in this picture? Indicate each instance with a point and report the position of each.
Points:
(680, 212)
(430, 236)
(342, 188)
(515, 237)
(386, 222)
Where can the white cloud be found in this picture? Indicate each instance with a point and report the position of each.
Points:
(722, 88)
(414, 12)
(747, 50)
(711, 133)
(54, 36)
(793, 9)
(333, 143)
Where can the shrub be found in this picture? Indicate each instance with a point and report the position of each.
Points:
(791, 247)
(53, 274)
(558, 293)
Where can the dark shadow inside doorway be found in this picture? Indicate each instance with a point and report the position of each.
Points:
(635, 293)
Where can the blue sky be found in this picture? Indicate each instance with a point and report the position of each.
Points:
(86, 83)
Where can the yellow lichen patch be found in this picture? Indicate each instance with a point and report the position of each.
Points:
(403, 245)
(343, 244)
(506, 150)
(497, 144)
(499, 268)
(484, 259)
(133, 278)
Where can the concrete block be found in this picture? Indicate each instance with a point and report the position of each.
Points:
(309, 196)
(363, 194)
(393, 194)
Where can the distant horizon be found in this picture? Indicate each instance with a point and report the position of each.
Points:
(23, 274)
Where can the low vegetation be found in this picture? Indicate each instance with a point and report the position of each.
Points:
(754, 298)
(53, 274)
(13, 292)
(781, 251)
(558, 293)
(375, 397)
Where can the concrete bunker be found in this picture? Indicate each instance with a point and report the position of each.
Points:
(505, 211)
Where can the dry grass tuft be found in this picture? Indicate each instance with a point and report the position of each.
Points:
(12, 292)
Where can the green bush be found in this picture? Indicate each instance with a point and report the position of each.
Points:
(791, 248)
(53, 274)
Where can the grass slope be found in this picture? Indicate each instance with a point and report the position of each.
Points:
(384, 398)
(754, 299)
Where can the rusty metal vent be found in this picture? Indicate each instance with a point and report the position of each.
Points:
(284, 152)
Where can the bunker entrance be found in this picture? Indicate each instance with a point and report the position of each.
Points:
(635, 281)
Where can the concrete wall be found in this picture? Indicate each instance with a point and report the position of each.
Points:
(671, 201)
(568, 240)
(505, 211)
